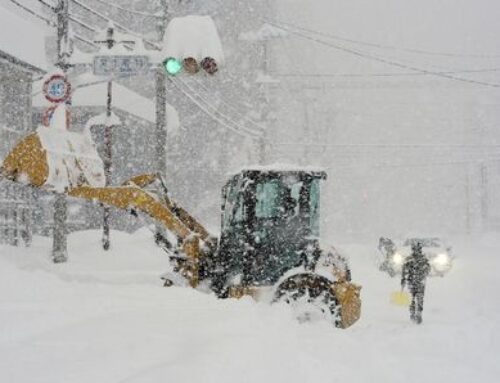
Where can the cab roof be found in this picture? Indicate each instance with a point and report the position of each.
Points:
(276, 169)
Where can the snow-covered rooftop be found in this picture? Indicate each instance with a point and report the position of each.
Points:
(193, 36)
(22, 39)
(124, 99)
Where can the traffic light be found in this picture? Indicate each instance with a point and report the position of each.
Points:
(209, 65)
(189, 65)
(172, 66)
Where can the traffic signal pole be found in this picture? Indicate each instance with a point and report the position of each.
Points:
(161, 122)
(161, 99)
(161, 111)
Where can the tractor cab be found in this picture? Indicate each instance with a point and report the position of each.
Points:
(270, 221)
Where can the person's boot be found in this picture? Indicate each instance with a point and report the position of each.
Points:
(418, 319)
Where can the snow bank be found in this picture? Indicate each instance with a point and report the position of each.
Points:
(103, 317)
(71, 157)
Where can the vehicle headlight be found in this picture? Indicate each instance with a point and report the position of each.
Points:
(397, 259)
(442, 259)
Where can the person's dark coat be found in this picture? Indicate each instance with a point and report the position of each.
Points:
(415, 271)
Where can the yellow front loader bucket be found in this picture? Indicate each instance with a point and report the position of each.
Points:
(400, 298)
(56, 160)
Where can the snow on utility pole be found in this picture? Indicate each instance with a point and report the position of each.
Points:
(59, 245)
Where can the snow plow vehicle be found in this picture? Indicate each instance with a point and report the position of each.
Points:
(269, 242)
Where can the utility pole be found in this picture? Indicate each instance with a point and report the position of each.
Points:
(59, 244)
(108, 131)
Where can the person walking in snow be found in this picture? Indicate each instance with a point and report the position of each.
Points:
(415, 271)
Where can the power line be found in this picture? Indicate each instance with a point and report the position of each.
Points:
(215, 118)
(84, 40)
(210, 114)
(82, 24)
(409, 74)
(49, 22)
(429, 164)
(214, 108)
(76, 20)
(390, 146)
(131, 11)
(52, 7)
(232, 107)
(383, 60)
(119, 26)
(390, 47)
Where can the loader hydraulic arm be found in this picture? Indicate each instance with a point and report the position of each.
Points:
(28, 163)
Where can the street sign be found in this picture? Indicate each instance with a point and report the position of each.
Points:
(57, 88)
(120, 65)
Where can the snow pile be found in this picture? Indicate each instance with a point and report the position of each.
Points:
(72, 157)
(193, 36)
(104, 317)
(266, 32)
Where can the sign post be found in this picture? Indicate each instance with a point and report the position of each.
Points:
(109, 64)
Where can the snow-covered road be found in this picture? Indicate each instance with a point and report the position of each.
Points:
(106, 318)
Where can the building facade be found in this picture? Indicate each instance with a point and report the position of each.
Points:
(15, 122)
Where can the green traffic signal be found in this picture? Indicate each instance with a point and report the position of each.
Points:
(172, 66)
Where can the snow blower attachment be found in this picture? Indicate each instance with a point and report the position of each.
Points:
(269, 242)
